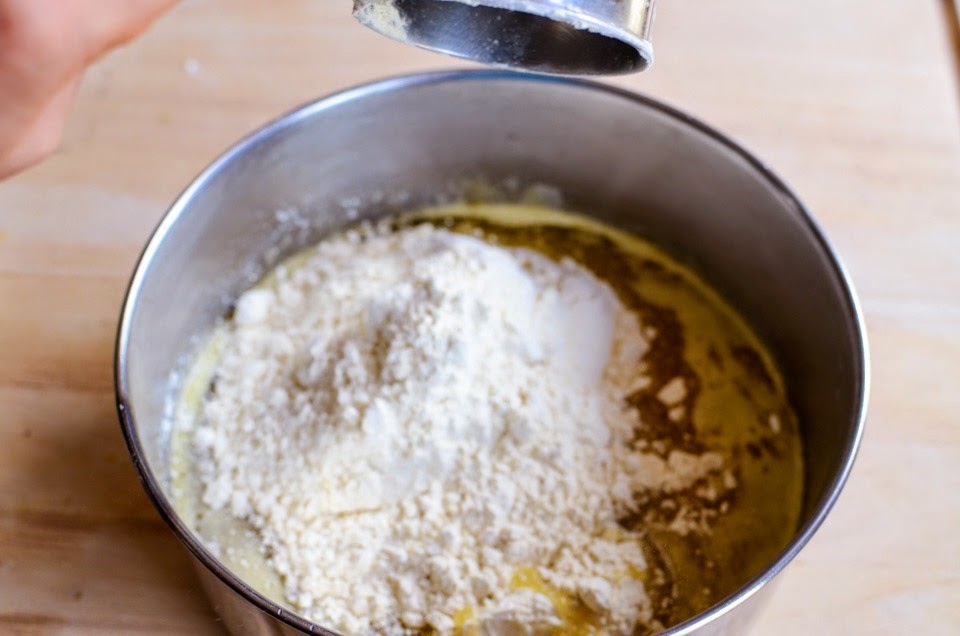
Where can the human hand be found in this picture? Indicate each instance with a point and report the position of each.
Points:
(45, 45)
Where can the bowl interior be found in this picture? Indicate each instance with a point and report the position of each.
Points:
(397, 144)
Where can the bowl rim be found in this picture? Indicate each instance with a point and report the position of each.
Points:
(151, 483)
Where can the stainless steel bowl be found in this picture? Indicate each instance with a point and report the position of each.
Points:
(626, 159)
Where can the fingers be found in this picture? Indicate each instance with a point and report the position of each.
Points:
(111, 23)
(41, 137)
(44, 47)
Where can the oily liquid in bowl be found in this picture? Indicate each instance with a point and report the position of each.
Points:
(701, 543)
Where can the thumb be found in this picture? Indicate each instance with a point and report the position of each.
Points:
(111, 23)
(41, 137)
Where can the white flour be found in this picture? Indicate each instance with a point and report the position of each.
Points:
(419, 424)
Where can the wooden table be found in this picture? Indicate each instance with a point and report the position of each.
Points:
(854, 103)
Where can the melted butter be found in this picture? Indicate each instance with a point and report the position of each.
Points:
(734, 388)
(195, 385)
(633, 572)
(465, 622)
(576, 618)
(734, 391)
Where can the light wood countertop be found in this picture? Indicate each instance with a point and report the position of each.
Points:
(853, 103)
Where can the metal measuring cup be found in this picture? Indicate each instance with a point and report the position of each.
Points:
(563, 37)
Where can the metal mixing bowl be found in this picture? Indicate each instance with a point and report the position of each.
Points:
(623, 158)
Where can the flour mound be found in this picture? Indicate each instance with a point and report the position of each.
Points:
(415, 421)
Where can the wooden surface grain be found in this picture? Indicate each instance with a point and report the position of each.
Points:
(853, 103)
